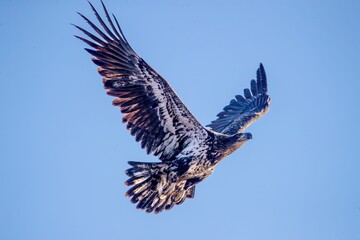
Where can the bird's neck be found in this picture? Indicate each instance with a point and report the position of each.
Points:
(225, 145)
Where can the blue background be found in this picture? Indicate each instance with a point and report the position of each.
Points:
(64, 149)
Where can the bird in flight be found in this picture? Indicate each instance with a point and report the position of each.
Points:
(159, 120)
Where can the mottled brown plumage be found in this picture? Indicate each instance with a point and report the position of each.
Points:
(158, 119)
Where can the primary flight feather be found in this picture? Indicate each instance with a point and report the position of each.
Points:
(163, 125)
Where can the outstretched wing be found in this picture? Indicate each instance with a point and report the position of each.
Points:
(244, 110)
(154, 114)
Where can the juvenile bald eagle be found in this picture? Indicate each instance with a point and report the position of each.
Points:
(158, 119)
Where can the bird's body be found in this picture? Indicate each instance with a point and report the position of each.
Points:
(176, 180)
(158, 119)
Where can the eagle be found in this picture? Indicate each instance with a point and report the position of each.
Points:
(159, 120)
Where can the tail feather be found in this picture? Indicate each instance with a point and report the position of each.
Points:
(136, 180)
(152, 189)
(161, 205)
(153, 205)
(136, 197)
(139, 169)
(146, 201)
(191, 192)
(138, 188)
(169, 206)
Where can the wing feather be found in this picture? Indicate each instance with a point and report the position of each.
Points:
(153, 112)
(244, 110)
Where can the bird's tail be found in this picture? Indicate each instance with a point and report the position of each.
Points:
(153, 187)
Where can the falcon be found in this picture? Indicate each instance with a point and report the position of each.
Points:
(159, 120)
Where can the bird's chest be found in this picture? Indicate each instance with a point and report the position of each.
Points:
(195, 163)
(196, 166)
(199, 169)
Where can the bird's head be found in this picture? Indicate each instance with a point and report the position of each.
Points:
(235, 141)
(228, 144)
(243, 137)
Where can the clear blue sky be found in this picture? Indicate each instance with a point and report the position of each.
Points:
(64, 149)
